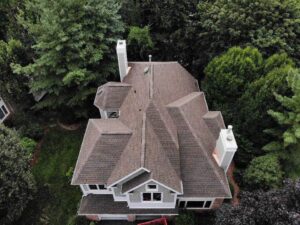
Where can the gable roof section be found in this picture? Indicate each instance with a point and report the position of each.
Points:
(201, 176)
(102, 145)
(214, 122)
(111, 95)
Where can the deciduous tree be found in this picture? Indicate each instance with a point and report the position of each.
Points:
(17, 183)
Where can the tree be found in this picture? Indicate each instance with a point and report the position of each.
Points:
(264, 172)
(287, 134)
(275, 207)
(12, 85)
(74, 53)
(240, 83)
(17, 183)
(269, 25)
(139, 42)
(170, 24)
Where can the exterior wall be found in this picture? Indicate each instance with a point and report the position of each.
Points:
(118, 196)
(217, 203)
(168, 198)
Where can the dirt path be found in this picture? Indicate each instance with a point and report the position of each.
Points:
(37, 150)
(236, 189)
(70, 127)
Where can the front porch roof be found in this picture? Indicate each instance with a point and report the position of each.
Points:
(105, 204)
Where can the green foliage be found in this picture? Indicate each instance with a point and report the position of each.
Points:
(170, 25)
(56, 201)
(279, 206)
(12, 85)
(139, 41)
(264, 172)
(286, 134)
(240, 83)
(17, 182)
(28, 144)
(187, 217)
(270, 25)
(74, 53)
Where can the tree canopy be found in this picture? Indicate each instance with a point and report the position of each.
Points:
(275, 207)
(240, 83)
(269, 25)
(17, 182)
(73, 53)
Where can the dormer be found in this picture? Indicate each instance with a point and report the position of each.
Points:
(225, 148)
(110, 97)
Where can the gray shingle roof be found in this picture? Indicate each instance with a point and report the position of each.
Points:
(104, 204)
(172, 134)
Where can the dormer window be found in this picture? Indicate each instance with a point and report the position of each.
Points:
(152, 187)
(113, 114)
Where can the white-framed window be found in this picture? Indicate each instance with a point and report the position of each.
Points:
(152, 197)
(151, 187)
(195, 204)
(113, 114)
(97, 187)
(3, 111)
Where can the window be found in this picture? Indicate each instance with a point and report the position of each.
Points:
(93, 187)
(152, 187)
(198, 204)
(112, 114)
(97, 187)
(147, 197)
(181, 204)
(2, 115)
(4, 109)
(157, 197)
(207, 204)
(101, 187)
(152, 197)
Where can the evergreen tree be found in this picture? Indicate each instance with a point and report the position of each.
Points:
(17, 183)
(287, 136)
(74, 49)
(240, 83)
(270, 25)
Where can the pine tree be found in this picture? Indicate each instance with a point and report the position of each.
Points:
(74, 49)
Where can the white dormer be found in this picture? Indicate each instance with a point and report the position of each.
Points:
(225, 148)
(122, 58)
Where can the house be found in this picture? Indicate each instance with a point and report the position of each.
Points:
(157, 148)
(4, 111)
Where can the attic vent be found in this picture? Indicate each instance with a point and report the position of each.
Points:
(99, 92)
(146, 70)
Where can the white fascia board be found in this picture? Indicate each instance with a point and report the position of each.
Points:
(128, 176)
(148, 181)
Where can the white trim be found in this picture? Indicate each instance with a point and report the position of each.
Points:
(150, 189)
(191, 199)
(148, 181)
(128, 176)
(2, 103)
(152, 193)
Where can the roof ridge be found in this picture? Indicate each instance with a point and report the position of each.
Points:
(143, 141)
(209, 159)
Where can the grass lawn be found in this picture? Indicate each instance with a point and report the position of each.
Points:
(56, 200)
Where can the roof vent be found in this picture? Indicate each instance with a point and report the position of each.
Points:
(150, 58)
(146, 70)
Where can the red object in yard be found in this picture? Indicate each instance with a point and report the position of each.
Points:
(162, 221)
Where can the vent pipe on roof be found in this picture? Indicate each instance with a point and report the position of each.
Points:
(122, 58)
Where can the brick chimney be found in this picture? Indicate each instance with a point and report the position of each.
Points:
(225, 148)
(122, 58)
